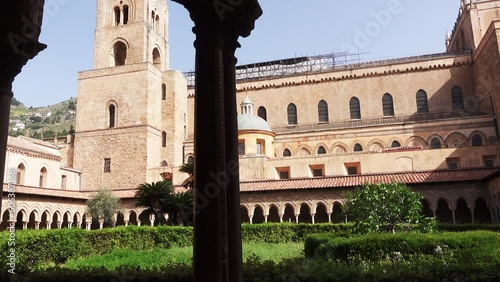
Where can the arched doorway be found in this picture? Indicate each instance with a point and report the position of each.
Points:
(443, 212)
(244, 215)
(273, 214)
(426, 208)
(481, 212)
(462, 212)
(5, 220)
(289, 214)
(321, 214)
(120, 219)
(132, 218)
(32, 219)
(338, 213)
(258, 215)
(44, 219)
(305, 214)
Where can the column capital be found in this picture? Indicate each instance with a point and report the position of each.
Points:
(231, 16)
(20, 26)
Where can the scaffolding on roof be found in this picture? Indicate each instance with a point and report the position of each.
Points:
(289, 67)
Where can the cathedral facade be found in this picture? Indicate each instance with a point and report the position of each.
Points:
(309, 129)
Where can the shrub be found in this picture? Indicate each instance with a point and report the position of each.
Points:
(467, 246)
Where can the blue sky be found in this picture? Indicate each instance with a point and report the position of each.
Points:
(288, 28)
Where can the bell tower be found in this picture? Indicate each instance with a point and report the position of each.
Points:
(131, 32)
(131, 106)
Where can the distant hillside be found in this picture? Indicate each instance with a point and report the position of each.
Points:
(42, 122)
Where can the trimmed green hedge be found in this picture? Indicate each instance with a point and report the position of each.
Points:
(37, 247)
(52, 247)
(46, 247)
(472, 246)
(287, 232)
(468, 227)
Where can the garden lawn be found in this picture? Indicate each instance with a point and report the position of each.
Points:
(153, 259)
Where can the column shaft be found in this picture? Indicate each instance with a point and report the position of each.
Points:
(210, 260)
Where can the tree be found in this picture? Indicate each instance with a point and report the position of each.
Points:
(189, 169)
(103, 205)
(383, 207)
(153, 196)
(179, 204)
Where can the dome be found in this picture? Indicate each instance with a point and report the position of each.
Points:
(252, 122)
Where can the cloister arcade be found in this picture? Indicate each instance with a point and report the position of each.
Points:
(455, 206)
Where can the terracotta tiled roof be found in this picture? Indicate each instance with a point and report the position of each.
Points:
(305, 183)
(33, 146)
(50, 192)
(358, 180)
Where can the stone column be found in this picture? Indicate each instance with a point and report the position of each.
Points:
(250, 216)
(101, 224)
(37, 225)
(281, 217)
(88, 225)
(329, 217)
(49, 223)
(20, 23)
(297, 217)
(59, 225)
(126, 222)
(138, 223)
(78, 224)
(217, 242)
(472, 216)
(312, 217)
(70, 224)
(453, 215)
(25, 225)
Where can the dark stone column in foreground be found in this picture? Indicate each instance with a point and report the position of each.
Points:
(20, 23)
(217, 244)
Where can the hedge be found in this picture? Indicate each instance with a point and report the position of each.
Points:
(472, 246)
(44, 247)
(52, 247)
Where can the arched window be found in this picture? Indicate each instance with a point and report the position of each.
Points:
(125, 14)
(190, 160)
(116, 11)
(358, 148)
(387, 105)
(21, 171)
(164, 91)
(435, 143)
(112, 116)
(292, 114)
(477, 140)
(164, 139)
(354, 108)
(262, 112)
(156, 57)
(395, 144)
(321, 150)
(422, 103)
(153, 17)
(43, 177)
(323, 111)
(120, 53)
(457, 98)
(287, 153)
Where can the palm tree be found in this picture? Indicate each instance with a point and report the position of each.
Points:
(180, 203)
(189, 169)
(153, 196)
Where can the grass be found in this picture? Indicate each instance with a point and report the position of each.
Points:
(152, 259)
